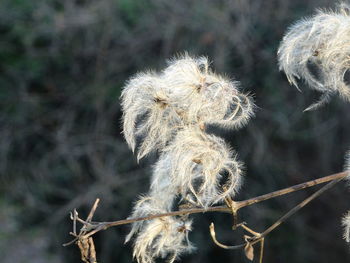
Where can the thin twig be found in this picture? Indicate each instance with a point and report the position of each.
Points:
(260, 236)
(213, 236)
(261, 256)
(299, 206)
(83, 240)
(98, 226)
(93, 210)
(291, 189)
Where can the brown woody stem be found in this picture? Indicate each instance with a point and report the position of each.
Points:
(98, 226)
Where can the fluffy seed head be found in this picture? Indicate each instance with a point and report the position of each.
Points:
(168, 111)
(317, 50)
(201, 166)
(206, 97)
(157, 105)
(147, 113)
(162, 237)
(158, 203)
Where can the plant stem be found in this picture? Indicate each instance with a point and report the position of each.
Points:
(98, 226)
(240, 204)
(299, 206)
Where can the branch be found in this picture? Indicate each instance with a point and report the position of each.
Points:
(95, 227)
(292, 189)
(299, 206)
(259, 237)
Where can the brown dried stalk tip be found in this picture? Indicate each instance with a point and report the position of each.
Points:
(84, 240)
(87, 250)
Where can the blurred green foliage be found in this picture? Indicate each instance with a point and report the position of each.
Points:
(62, 66)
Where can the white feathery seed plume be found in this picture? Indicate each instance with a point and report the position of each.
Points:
(205, 97)
(162, 237)
(167, 112)
(187, 92)
(317, 50)
(198, 163)
(159, 203)
(147, 113)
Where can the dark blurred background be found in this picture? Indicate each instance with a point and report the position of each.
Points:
(62, 66)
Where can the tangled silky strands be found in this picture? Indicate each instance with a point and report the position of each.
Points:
(317, 50)
(187, 92)
(167, 112)
(198, 163)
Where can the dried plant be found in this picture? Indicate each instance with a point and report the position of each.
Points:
(162, 237)
(187, 92)
(147, 112)
(158, 230)
(317, 50)
(200, 166)
(168, 112)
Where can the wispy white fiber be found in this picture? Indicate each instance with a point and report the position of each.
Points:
(167, 112)
(165, 237)
(346, 225)
(201, 166)
(206, 97)
(148, 113)
(317, 50)
(187, 92)
(159, 203)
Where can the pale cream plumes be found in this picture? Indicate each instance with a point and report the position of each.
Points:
(167, 112)
(145, 103)
(162, 237)
(187, 92)
(159, 202)
(197, 163)
(346, 225)
(206, 97)
(317, 50)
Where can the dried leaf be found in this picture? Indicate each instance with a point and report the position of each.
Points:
(249, 251)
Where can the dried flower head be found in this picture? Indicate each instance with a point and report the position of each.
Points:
(201, 166)
(162, 237)
(205, 97)
(148, 113)
(187, 92)
(168, 111)
(317, 50)
(157, 203)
